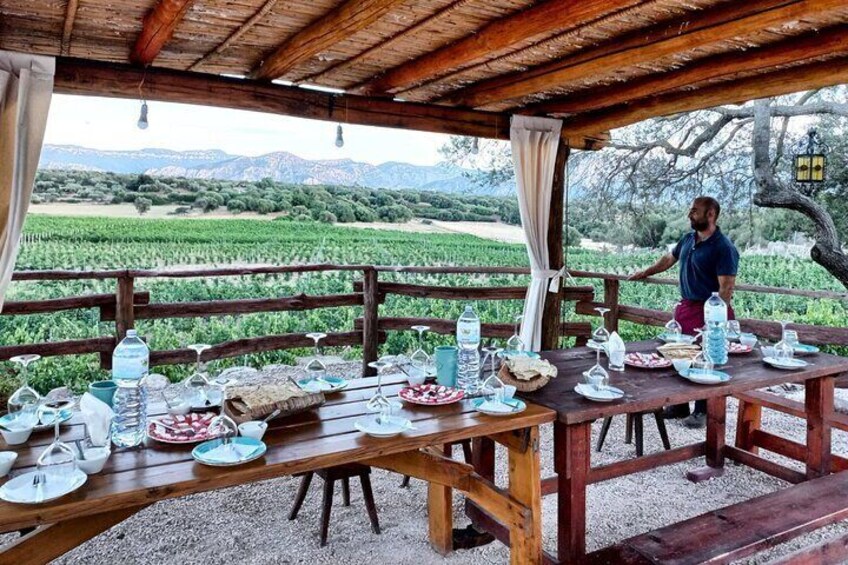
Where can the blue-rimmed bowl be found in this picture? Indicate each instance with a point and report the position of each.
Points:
(45, 424)
(246, 449)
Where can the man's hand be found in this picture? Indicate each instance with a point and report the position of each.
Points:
(663, 264)
(638, 276)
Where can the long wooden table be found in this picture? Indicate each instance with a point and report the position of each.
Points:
(647, 390)
(136, 478)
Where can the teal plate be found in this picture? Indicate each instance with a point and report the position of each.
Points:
(697, 376)
(804, 349)
(336, 384)
(684, 338)
(65, 415)
(507, 353)
(216, 454)
(517, 406)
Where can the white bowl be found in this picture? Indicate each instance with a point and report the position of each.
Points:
(415, 380)
(16, 436)
(95, 459)
(254, 429)
(7, 459)
(681, 365)
(748, 340)
(180, 409)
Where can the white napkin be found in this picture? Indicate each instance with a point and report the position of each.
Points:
(97, 417)
(229, 453)
(615, 350)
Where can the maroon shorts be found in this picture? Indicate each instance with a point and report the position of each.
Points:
(690, 315)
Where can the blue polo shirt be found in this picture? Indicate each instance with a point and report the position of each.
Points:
(702, 262)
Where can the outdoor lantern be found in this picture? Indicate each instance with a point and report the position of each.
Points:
(339, 137)
(142, 118)
(810, 165)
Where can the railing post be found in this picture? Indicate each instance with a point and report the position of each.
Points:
(370, 319)
(124, 308)
(611, 287)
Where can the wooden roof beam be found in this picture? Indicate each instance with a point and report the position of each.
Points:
(547, 18)
(322, 34)
(83, 77)
(68, 27)
(725, 22)
(776, 83)
(828, 43)
(159, 26)
(236, 35)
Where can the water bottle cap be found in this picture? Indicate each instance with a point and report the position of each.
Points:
(132, 333)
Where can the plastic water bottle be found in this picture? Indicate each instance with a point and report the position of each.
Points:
(715, 340)
(468, 359)
(130, 362)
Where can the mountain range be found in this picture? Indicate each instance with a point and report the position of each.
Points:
(280, 166)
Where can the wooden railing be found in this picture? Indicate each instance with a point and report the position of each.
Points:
(126, 306)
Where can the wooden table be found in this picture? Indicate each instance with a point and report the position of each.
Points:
(647, 390)
(136, 478)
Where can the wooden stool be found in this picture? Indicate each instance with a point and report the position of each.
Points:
(634, 421)
(330, 476)
(448, 448)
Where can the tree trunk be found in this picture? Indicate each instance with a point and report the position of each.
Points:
(827, 251)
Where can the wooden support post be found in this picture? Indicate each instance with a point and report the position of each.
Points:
(716, 425)
(483, 457)
(370, 319)
(572, 452)
(611, 288)
(553, 300)
(440, 516)
(525, 488)
(750, 416)
(818, 400)
(124, 308)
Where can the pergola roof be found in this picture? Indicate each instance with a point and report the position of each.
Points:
(598, 63)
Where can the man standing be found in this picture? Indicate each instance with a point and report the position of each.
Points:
(708, 263)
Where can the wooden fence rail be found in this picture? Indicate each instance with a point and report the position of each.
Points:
(126, 306)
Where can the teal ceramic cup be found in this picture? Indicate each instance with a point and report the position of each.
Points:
(103, 390)
(446, 365)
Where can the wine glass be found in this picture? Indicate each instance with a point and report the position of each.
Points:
(601, 335)
(494, 389)
(734, 330)
(491, 356)
(703, 363)
(515, 344)
(378, 402)
(673, 327)
(198, 382)
(315, 369)
(597, 377)
(58, 461)
(421, 362)
(23, 404)
(223, 428)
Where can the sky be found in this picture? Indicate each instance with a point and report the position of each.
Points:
(110, 123)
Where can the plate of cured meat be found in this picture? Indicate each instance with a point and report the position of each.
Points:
(646, 361)
(180, 429)
(431, 394)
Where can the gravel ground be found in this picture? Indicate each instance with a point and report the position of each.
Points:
(249, 524)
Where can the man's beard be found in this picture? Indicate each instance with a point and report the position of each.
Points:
(699, 226)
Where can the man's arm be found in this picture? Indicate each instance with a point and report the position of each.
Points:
(725, 287)
(664, 263)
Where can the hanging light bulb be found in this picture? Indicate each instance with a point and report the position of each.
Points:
(475, 146)
(142, 118)
(339, 138)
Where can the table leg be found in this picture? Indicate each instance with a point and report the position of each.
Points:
(440, 515)
(716, 425)
(571, 462)
(818, 400)
(525, 486)
(749, 419)
(483, 457)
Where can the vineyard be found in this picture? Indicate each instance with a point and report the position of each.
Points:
(98, 243)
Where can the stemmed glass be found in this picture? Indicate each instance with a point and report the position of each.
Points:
(515, 344)
(601, 335)
(673, 327)
(784, 349)
(224, 428)
(58, 461)
(491, 356)
(23, 403)
(315, 369)
(420, 360)
(198, 382)
(378, 402)
(597, 377)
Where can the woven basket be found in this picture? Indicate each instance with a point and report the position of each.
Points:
(522, 386)
(302, 402)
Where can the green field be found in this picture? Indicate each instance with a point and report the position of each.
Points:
(100, 243)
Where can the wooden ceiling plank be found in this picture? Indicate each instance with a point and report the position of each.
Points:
(415, 28)
(334, 27)
(236, 35)
(68, 27)
(552, 16)
(776, 83)
(725, 22)
(829, 42)
(159, 26)
(84, 77)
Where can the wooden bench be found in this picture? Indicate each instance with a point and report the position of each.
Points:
(736, 531)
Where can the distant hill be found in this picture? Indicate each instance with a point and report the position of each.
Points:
(279, 166)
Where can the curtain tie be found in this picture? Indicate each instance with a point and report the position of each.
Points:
(555, 276)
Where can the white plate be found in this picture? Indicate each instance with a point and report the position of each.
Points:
(395, 426)
(245, 449)
(518, 406)
(698, 376)
(786, 364)
(684, 338)
(588, 392)
(20, 490)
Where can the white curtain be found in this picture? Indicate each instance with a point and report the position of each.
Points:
(26, 86)
(534, 147)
